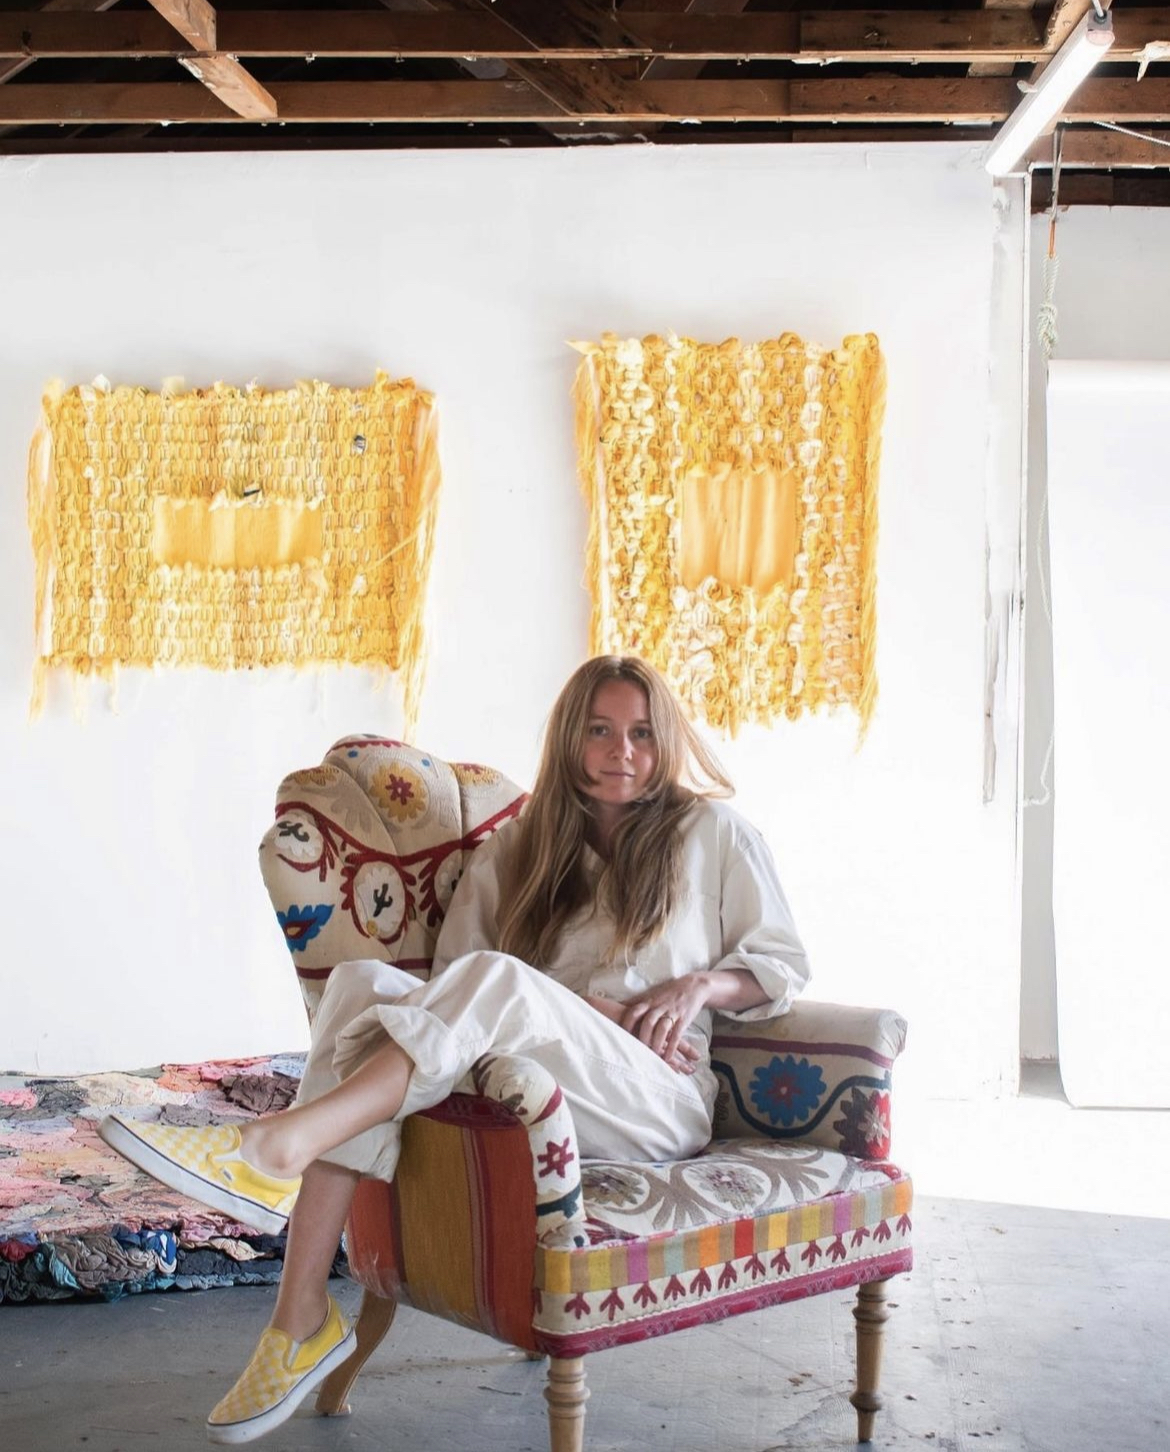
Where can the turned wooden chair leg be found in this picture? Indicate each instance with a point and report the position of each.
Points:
(871, 1316)
(566, 1394)
(372, 1324)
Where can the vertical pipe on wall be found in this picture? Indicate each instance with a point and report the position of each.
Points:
(1007, 441)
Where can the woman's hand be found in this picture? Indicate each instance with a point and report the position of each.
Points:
(661, 1015)
(682, 1058)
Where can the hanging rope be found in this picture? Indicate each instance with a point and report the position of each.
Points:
(1046, 319)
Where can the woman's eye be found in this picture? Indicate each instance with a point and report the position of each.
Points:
(643, 733)
(597, 730)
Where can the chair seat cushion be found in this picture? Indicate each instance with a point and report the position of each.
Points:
(723, 1259)
(730, 1179)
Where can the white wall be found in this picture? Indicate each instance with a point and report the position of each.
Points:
(1112, 299)
(137, 926)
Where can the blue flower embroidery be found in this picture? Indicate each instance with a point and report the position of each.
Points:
(787, 1091)
(301, 924)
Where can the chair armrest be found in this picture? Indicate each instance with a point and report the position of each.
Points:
(532, 1094)
(820, 1073)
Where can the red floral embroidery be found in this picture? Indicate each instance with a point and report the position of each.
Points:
(837, 1250)
(756, 1266)
(397, 787)
(613, 1303)
(701, 1283)
(859, 1236)
(904, 1224)
(882, 1232)
(674, 1289)
(779, 1261)
(865, 1125)
(811, 1253)
(556, 1158)
(578, 1305)
(644, 1296)
(727, 1276)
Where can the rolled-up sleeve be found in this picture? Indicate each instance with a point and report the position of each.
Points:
(757, 927)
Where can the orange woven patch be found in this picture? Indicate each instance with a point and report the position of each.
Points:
(733, 500)
(232, 527)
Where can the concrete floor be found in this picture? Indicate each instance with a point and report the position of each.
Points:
(1038, 1325)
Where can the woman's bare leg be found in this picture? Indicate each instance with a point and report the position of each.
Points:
(291, 1143)
(286, 1144)
(314, 1231)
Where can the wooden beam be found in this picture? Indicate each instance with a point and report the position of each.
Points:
(895, 98)
(696, 13)
(221, 73)
(1126, 100)
(872, 99)
(935, 35)
(1097, 148)
(1005, 34)
(670, 44)
(418, 102)
(21, 58)
(573, 23)
(193, 19)
(237, 88)
(868, 132)
(571, 86)
(978, 100)
(998, 67)
(1066, 16)
(1143, 189)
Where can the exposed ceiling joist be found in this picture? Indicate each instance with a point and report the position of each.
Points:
(85, 75)
(1094, 148)
(193, 19)
(570, 85)
(1003, 66)
(236, 87)
(662, 42)
(21, 57)
(873, 99)
(679, 67)
(222, 74)
(1091, 189)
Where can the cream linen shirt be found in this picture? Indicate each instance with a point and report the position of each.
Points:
(732, 913)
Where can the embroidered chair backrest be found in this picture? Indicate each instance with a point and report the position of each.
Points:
(367, 848)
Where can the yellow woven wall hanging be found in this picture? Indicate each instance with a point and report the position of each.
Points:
(230, 527)
(733, 517)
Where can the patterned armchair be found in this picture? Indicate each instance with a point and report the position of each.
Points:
(492, 1220)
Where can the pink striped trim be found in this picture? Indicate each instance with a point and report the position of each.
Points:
(662, 1323)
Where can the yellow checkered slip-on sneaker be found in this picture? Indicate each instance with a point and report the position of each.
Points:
(205, 1163)
(281, 1373)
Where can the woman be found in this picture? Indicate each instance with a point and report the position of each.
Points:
(595, 935)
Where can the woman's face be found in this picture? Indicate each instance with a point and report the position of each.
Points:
(620, 753)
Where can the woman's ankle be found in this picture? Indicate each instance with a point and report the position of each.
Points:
(265, 1147)
(303, 1317)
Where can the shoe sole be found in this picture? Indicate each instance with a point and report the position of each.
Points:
(140, 1152)
(233, 1433)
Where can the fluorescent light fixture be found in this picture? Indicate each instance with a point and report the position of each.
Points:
(1042, 105)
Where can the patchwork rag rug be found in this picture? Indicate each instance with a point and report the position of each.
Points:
(76, 1219)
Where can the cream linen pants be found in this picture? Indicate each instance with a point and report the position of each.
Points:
(626, 1103)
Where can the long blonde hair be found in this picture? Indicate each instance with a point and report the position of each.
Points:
(545, 879)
